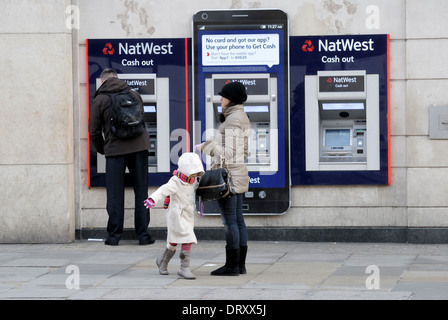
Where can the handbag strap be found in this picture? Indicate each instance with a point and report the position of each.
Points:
(223, 151)
(201, 207)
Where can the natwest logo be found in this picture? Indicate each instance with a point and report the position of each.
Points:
(143, 48)
(346, 45)
(108, 49)
(345, 79)
(308, 46)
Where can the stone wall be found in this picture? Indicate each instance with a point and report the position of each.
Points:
(43, 127)
(36, 123)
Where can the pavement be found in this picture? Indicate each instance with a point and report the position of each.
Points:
(90, 270)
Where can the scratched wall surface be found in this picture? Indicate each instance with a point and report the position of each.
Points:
(43, 161)
(36, 123)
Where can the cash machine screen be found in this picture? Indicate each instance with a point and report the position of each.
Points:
(337, 138)
(149, 109)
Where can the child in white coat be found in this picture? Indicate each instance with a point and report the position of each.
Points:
(179, 197)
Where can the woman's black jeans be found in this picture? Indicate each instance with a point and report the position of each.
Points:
(232, 217)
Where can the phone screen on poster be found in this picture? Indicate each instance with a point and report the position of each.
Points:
(251, 46)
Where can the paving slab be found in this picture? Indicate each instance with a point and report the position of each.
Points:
(90, 270)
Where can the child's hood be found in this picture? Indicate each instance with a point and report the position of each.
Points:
(190, 163)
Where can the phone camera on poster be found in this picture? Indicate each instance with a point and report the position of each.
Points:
(204, 16)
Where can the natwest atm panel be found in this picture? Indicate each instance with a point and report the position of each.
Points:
(261, 109)
(268, 156)
(342, 121)
(155, 95)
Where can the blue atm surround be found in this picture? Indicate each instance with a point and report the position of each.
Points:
(310, 54)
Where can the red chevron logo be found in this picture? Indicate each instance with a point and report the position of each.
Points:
(108, 49)
(308, 46)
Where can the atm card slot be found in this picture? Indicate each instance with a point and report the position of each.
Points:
(336, 153)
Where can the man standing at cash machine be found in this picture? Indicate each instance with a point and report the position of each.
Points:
(121, 153)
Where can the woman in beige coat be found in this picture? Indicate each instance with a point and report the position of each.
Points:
(179, 197)
(235, 132)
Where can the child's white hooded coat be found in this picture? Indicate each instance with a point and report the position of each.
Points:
(182, 208)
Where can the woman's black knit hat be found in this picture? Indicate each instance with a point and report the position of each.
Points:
(235, 92)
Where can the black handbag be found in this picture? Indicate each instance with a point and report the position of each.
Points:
(215, 184)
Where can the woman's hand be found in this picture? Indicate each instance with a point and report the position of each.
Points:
(198, 147)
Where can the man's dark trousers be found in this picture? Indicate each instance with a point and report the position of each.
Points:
(137, 163)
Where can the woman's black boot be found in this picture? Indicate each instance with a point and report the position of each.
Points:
(231, 268)
(243, 253)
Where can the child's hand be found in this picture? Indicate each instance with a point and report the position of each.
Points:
(149, 203)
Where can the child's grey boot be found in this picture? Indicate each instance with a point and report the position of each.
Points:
(184, 270)
(162, 262)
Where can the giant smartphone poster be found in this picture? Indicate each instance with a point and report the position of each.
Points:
(160, 70)
(249, 46)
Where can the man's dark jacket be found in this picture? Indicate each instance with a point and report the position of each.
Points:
(99, 122)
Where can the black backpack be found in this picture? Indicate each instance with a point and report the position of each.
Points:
(126, 115)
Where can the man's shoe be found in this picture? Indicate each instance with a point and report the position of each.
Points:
(146, 242)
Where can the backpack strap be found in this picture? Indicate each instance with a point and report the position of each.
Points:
(110, 94)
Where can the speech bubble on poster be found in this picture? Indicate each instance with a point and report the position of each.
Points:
(241, 49)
